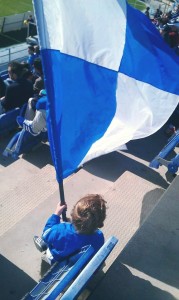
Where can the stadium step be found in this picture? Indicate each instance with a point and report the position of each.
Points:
(33, 208)
(130, 201)
(24, 194)
(147, 268)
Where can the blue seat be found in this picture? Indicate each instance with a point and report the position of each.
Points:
(159, 160)
(4, 75)
(8, 121)
(60, 275)
(23, 142)
(80, 267)
(86, 274)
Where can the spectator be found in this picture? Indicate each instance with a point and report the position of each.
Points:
(174, 37)
(38, 123)
(38, 71)
(147, 12)
(31, 57)
(175, 13)
(173, 122)
(2, 87)
(38, 87)
(27, 73)
(165, 34)
(37, 51)
(31, 24)
(157, 14)
(18, 92)
(63, 239)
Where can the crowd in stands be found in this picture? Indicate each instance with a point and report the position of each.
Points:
(24, 87)
(168, 26)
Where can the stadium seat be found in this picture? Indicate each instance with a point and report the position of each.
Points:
(159, 160)
(4, 75)
(61, 274)
(8, 121)
(23, 142)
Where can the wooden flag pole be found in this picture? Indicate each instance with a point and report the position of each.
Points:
(62, 200)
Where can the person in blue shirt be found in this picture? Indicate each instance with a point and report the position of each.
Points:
(31, 57)
(61, 239)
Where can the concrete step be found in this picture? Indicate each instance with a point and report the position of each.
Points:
(147, 268)
(24, 195)
(131, 195)
(130, 201)
(37, 207)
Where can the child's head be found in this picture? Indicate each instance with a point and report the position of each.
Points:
(89, 214)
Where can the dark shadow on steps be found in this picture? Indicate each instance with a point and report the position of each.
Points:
(113, 165)
(40, 156)
(150, 200)
(120, 283)
(149, 147)
(154, 249)
(14, 283)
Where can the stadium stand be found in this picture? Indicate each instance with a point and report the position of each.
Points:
(8, 121)
(23, 142)
(172, 164)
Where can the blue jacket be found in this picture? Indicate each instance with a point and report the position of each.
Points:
(63, 240)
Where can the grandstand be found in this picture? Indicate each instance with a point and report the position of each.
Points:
(142, 213)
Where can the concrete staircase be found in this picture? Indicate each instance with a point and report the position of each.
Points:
(29, 194)
(147, 267)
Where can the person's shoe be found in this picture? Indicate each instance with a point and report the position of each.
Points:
(39, 243)
(25, 124)
(46, 259)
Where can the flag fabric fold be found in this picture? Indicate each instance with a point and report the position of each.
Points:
(109, 75)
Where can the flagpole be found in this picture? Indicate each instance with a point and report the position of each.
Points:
(62, 200)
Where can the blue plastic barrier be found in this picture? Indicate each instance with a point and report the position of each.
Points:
(79, 283)
(23, 142)
(8, 121)
(159, 160)
(61, 274)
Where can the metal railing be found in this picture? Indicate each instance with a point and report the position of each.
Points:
(16, 52)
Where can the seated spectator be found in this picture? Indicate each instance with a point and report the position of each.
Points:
(31, 57)
(173, 122)
(38, 124)
(2, 87)
(19, 91)
(165, 34)
(157, 14)
(62, 239)
(175, 13)
(27, 73)
(38, 87)
(174, 37)
(38, 71)
(37, 51)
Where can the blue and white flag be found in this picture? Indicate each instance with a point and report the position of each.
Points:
(110, 78)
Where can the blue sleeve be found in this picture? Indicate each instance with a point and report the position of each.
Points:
(52, 221)
(41, 104)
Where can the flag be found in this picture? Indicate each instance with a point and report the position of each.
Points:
(110, 77)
